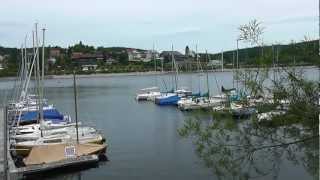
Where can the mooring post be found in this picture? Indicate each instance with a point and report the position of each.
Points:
(5, 144)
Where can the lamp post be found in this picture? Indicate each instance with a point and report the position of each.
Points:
(237, 53)
(237, 61)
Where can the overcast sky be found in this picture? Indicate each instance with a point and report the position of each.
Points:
(211, 24)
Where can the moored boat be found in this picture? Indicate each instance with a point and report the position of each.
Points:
(148, 94)
(167, 99)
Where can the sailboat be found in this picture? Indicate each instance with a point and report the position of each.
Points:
(35, 140)
(172, 97)
(189, 100)
(150, 93)
(36, 134)
(204, 101)
(23, 148)
(62, 152)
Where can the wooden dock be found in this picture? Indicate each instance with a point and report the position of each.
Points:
(6, 161)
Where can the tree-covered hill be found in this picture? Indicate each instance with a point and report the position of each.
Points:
(302, 53)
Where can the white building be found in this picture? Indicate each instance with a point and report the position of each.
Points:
(140, 56)
(214, 63)
(52, 61)
(1, 62)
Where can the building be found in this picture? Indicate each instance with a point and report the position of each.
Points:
(189, 54)
(214, 63)
(187, 51)
(135, 55)
(55, 52)
(110, 61)
(146, 56)
(52, 61)
(3, 61)
(87, 62)
(177, 55)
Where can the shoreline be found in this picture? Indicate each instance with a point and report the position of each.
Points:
(148, 73)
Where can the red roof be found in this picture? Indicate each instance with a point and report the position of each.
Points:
(79, 55)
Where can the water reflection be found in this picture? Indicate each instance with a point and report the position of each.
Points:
(75, 173)
(248, 150)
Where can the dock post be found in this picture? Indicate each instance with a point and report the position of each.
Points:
(5, 144)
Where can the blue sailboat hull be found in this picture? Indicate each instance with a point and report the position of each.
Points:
(168, 100)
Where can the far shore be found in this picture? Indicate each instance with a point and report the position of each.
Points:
(148, 73)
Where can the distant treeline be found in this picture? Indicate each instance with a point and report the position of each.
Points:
(302, 53)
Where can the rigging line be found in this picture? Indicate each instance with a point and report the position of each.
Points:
(217, 84)
(165, 85)
(198, 69)
(28, 80)
(208, 87)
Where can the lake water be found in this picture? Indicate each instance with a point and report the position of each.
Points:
(142, 137)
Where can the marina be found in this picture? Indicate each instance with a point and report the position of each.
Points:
(159, 90)
(128, 155)
(36, 136)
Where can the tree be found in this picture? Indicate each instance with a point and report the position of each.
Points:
(249, 148)
(252, 32)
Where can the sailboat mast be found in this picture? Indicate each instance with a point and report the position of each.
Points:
(155, 65)
(75, 103)
(35, 65)
(277, 59)
(42, 71)
(237, 63)
(39, 82)
(222, 61)
(25, 54)
(233, 57)
(208, 75)
(20, 87)
(176, 70)
(172, 67)
(198, 68)
(161, 65)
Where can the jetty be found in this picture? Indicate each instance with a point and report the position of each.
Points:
(7, 166)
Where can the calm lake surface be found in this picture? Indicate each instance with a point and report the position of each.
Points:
(142, 137)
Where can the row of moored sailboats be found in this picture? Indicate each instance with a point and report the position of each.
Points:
(39, 132)
(228, 100)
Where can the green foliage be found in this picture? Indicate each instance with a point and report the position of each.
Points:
(252, 149)
(304, 53)
(82, 48)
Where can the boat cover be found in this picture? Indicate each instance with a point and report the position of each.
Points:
(60, 152)
(49, 114)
